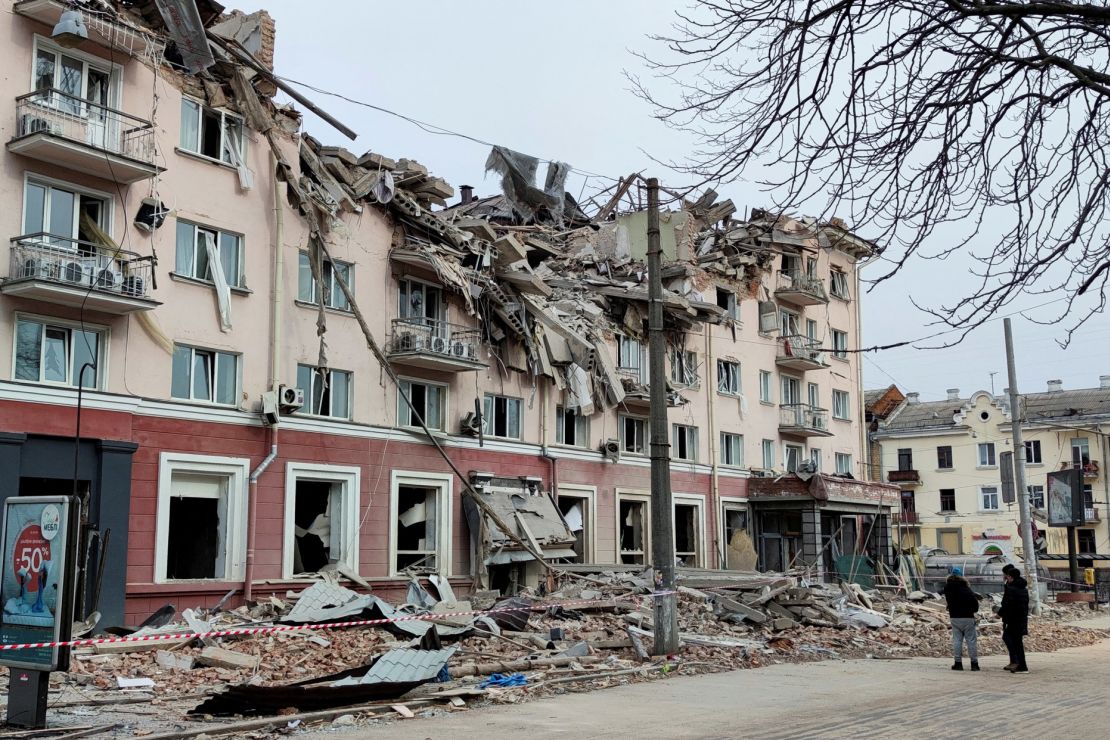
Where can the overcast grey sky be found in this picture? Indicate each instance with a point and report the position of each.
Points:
(549, 80)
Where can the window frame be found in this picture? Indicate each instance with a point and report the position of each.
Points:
(841, 405)
(310, 391)
(684, 368)
(984, 492)
(327, 267)
(103, 344)
(625, 346)
(237, 470)
(767, 452)
(731, 305)
(581, 428)
(787, 448)
(108, 210)
(729, 370)
(1033, 450)
(991, 456)
(403, 408)
(196, 148)
(689, 436)
(644, 499)
(1035, 495)
(218, 234)
(942, 492)
(766, 387)
(587, 494)
(698, 504)
(444, 483)
(727, 441)
(113, 70)
(641, 422)
(840, 344)
(940, 459)
(489, 416)
(905, 457)
(843, 457)
(349, 476)
(214, 391)
(842, 294)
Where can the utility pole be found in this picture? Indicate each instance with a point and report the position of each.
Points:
(662, 511)
(1022, 492)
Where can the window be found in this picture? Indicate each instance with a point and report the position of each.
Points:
(732, 450)
(421, 523)
(212, 133)
(76, 79)
(633, 434)
(576, 504)
(843, 463)
(815, 458)
(768, 446)
(728, 377)
(329, 392)
(791, 391)
(838, 284)
(204, 375)
(1080, 452)
(765, 387)
(1088, 496)
(726, 299)
(788, 323)
(1086, 541)
(811, 329)
(990, 498)
(309, 292)
(905, 458)
(813, 391)
(198, 247)
(66, 215)
(1036, 496)
(501, 416)
(58, 353)
(684, 442)
(840, 344)
(201, 527)
(736, 532)
(986, 454)
(1033, 451)
(571, 428)
(841, 405)
(684, 367)
(429, 402)
(792, 456)
(630, 357)
(321, 517)
(687, 534)
(944, 457)
(948, 499)
(420, 301)
(632, 530)
(791, 263)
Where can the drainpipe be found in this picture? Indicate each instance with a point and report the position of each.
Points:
(252, 513)
(545, 451)
(714, 438)
(278, 290)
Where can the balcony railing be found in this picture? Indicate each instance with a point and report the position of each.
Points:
(434, 344)
(800, 353)
(73, 272)
(70, 131)
(801, 288)
(1090, 469)
(1090, 514)
(903, 476)
(905, 517)
(804, 420)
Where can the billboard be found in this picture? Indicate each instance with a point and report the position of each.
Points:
(1065, 498)
(36, 579)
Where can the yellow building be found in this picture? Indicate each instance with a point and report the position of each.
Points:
(946, 456)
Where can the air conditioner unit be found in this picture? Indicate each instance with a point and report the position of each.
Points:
(460, 349)
(289, 398)
(107, 279)
(611, 449)
(439, 344)
(471, 423)
(406, 342)
(271, 409)
(33, 267)
(72, 272)
(37, 125)
(134, 285)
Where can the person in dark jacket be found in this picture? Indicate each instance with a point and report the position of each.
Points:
(1015, 619)
(962, 606)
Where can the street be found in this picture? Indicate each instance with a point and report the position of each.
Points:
(1065, 693)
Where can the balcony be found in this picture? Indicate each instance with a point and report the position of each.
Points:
(803, 420)
(637, 391)
(904, 477)
(434, 345)
(1090, 515)
(102, 29)
(800, 288)
(69, 272)
(1090, 470)
(52, 126)
(905, 518)
(798, 352)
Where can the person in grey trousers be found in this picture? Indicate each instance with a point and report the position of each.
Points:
(962, 606)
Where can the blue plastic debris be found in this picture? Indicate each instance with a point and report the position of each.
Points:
(504, 680)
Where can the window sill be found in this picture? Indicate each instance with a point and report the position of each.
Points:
(766, 403)
(1034, 465)
(947, 512)
(986, 467)
(844, 298)
(944, 470)
(990, 511)
(206, 404)
(727, 394)
(203, 158)
(841, 418)
(323, 417)
(178, 277)
(565, 446)
(62, 386)
(842, 359)
(329, 309)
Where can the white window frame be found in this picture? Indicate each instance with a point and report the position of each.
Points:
(194, 148)
(581, 428)
(104, 338)
(843, 462)
(990, 459)
(840, 344)
(838, 288)
(766, 387)
(698, 502)
(767, 451)
(444, 483)
(239, 280)
(1033, 450)
(815, 458)
(644, 443)
(114, 71)
(789, 323)
(727, 438)
(426, 286)
(310, 395)
(787, 447)
(489, 416)
(337, 301)
(108, 209)
(216, 353)
(589, 495)
(985, 491)
(684, 367)
(628, 349)
(237, 470)
(727, 504)
(842, 405)
(691, 439)
(345, 521)
(644, 498)
(728, 371)
(403, 408)
(1033, 490)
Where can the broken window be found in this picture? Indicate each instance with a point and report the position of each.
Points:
(1036, 496)
(728, 377)
(686, 535)
(314, 538)
(736, 536)
(684, 367)
(633, 531)
(415, 530)
(685, 442)
(815, 458)
(726, 299)
(792, 457)
(630, 358)
(420, 302)
(204, 375)
(197, 527)
(788, 323)
(60, 212)
(428, 401)
(212, 133)
(838, 284)
(571, 428)
(192, 253)
(328, 391)
(791, 263)
(840, 344)
(633, 434)
(1086, 541)
(501, 416)
(308, 291)
(732, 450)
(53, 353)
(575, 510)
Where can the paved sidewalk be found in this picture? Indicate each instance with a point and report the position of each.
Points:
(1065, 695)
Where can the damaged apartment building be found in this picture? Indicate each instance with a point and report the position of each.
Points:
(294, 359)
